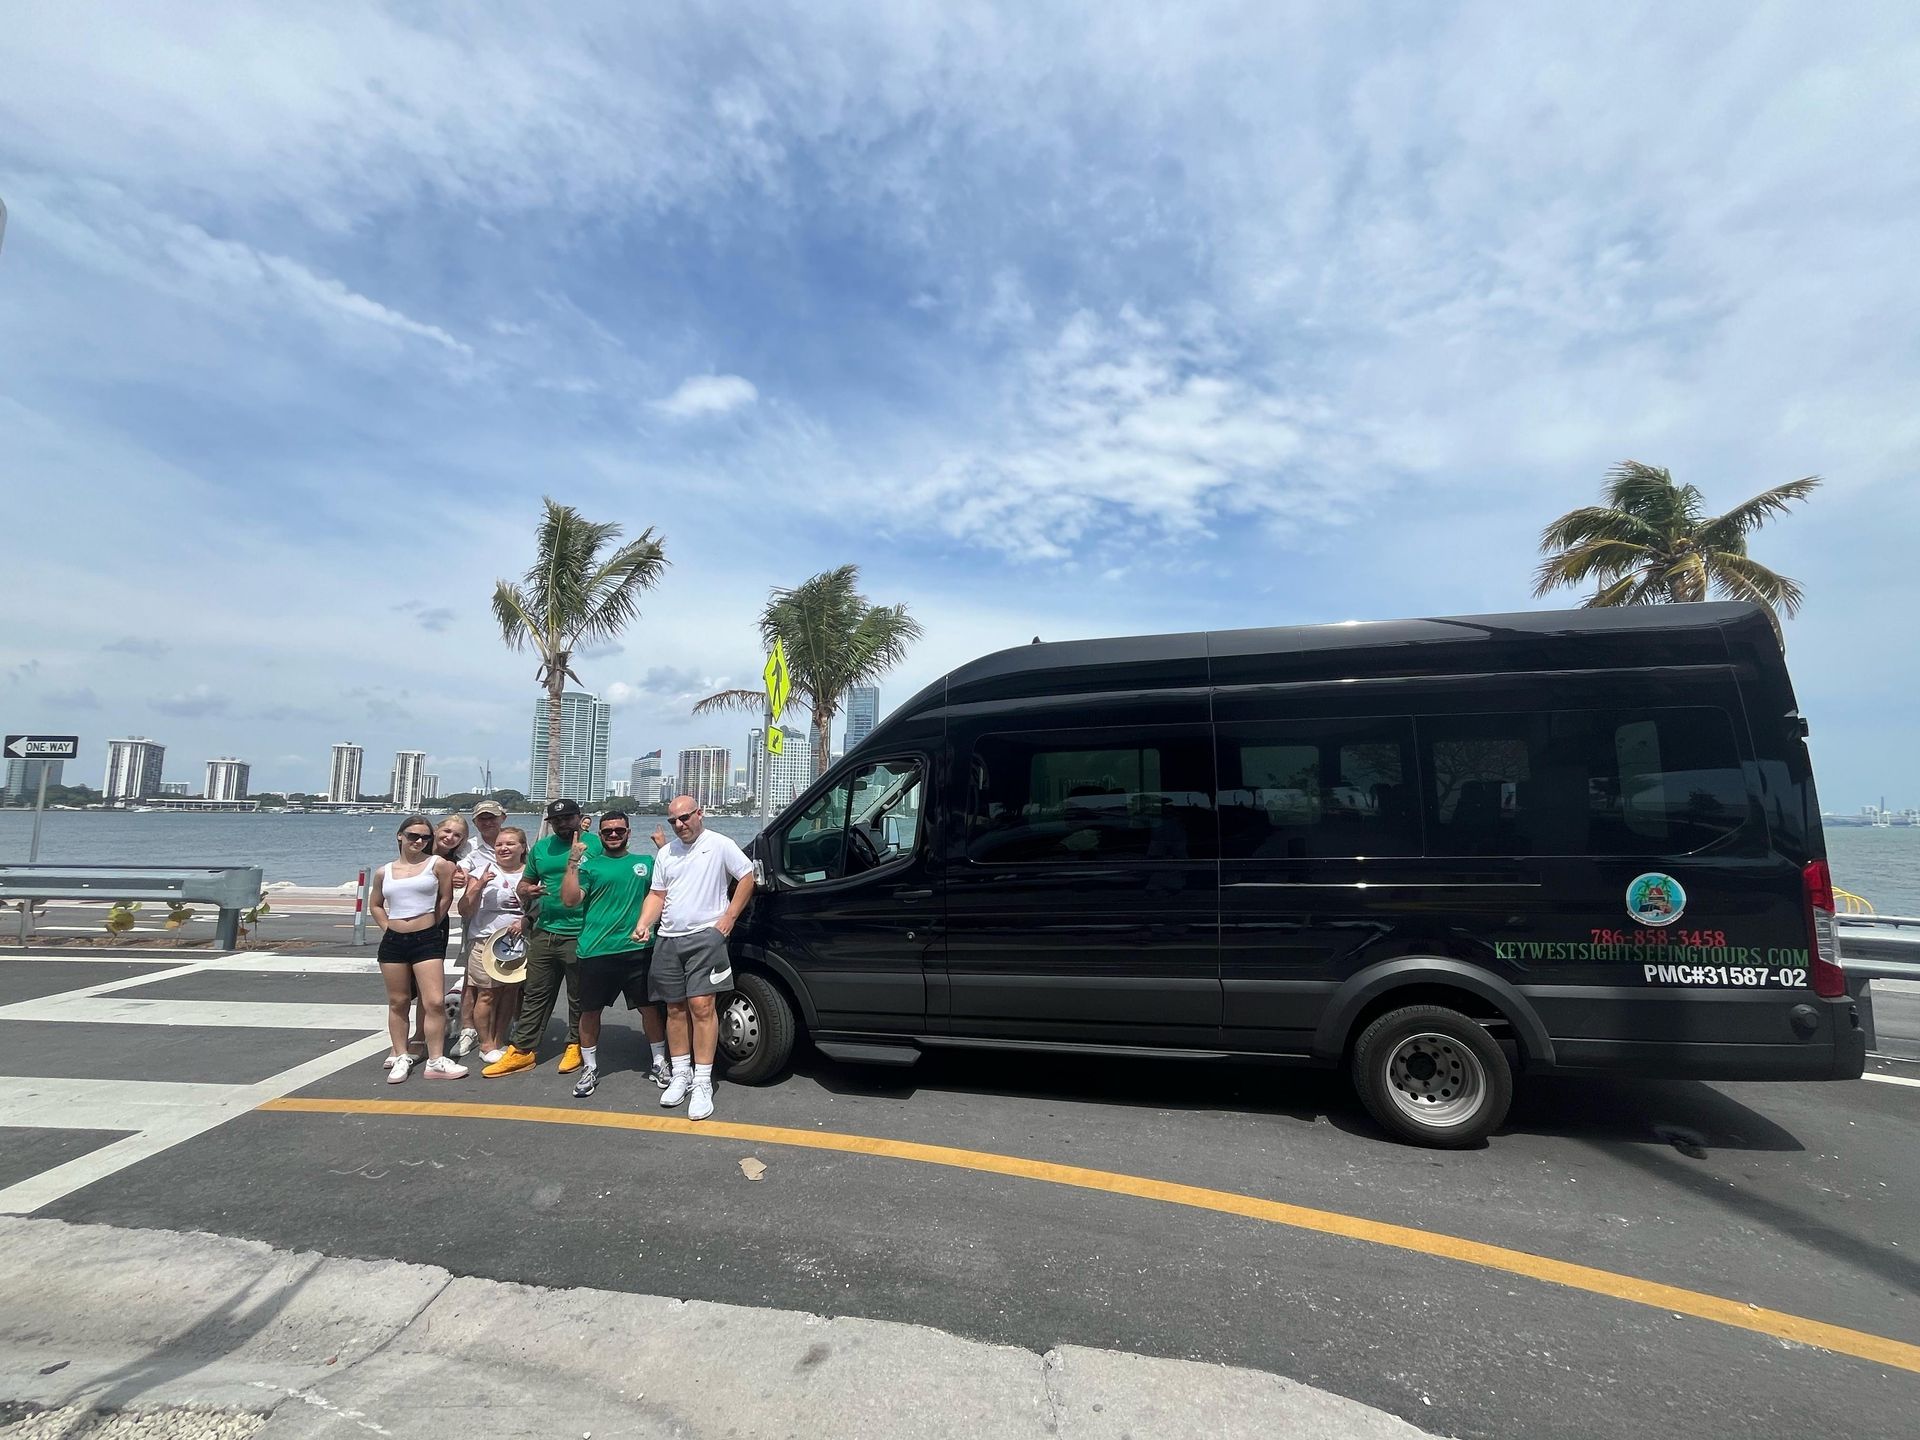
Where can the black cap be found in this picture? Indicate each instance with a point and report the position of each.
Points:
(562, 809)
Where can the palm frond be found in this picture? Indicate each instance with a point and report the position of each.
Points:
(1602, 560)
(1597, 522)
(517, 628)
(1739, 578)
(613, 589)
(1634, 589)
(1722, 531)
(752, 702)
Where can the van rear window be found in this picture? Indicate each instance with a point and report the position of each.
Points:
(1087, 795)
(1583, 782)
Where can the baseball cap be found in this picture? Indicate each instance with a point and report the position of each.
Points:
(490, 807)
(563, 808)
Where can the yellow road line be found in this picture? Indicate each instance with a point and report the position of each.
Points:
(1672, 1298)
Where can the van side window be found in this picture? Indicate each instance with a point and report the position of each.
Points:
(1091, 795)
(1294, 789)
(1579, 782)
(869, 818)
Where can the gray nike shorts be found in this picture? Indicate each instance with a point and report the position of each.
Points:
(696, 964)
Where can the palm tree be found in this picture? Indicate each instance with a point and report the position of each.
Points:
(1651, 544)
(835, 639)
(573, 596)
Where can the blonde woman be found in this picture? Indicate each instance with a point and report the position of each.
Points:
(409, 902)
(489, 906)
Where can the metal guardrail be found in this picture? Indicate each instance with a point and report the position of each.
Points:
(1868, 921)
(232, 888)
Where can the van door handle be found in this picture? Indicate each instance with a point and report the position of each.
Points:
(913, 894)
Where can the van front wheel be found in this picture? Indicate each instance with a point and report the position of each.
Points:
(1432, 1076)
(757, 1029)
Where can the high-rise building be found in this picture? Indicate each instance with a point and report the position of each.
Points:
(133, 770)
(704, 774)
(429, 787)
(409, 778)
(863, 713)
(787, 773)
(228, 779)
(646, 778)
(584, 720)
(343, 780)
(23, 779)
(622, 790)
(175, 788)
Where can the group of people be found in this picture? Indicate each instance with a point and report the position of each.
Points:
(578, 908)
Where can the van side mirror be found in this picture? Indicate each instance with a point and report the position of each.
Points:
(762, 877)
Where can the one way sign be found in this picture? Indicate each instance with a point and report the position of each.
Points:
(43, 747)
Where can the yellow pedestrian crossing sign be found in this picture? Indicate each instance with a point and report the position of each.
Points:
(779, 686)
(775, 741)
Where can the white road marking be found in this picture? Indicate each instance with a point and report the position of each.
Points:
(104, 1009)
(1893, 1080)
(166, 1113)
(169, 1130)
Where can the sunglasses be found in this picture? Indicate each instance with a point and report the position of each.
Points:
(418, 837)
(615, 831)
(683, 819)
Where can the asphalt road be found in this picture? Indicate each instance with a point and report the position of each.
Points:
(1800, 1199)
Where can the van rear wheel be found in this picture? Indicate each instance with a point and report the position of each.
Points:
(1432, 1076)
(757, 1029)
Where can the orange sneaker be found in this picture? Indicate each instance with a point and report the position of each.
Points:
(511, 1063)
(572, 1060)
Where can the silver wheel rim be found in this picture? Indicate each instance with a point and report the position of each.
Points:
(739, 1027)
(1435, 1080)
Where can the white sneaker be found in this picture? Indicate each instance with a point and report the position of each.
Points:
(661, 1074)
(677, 1091)
(469, 1040)
(702, 1105)
(400, 1067)
(386, 1061)
(492, 1055)
(445, 1069)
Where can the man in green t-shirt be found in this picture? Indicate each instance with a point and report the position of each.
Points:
(550, 946)
(610, 885)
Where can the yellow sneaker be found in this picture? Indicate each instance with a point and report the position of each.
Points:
(514, 1061)
(572, 1060)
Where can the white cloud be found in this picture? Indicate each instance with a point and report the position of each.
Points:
(701, 395)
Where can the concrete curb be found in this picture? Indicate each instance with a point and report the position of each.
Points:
(146, 1319)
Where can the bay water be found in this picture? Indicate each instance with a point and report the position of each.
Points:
(329, 850)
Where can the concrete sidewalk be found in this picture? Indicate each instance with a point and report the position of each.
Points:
(174, 1326)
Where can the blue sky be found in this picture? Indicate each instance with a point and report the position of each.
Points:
(1058, 321)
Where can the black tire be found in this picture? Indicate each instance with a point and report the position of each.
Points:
(757, 1029)
(1432, 1076)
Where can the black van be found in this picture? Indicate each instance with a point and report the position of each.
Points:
(1436, 852)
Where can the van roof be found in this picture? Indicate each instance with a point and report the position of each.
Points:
(1698, 633)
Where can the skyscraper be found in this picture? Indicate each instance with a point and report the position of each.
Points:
(705, 771)
(788, 773)
(409, 778)
(584, 720)
(228, 779)
(429, 787)
(863, 713)
(343, 780)
(23, 779)
(646, 778)
(133, 770)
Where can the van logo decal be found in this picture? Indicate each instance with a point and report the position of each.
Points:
(1656, 899)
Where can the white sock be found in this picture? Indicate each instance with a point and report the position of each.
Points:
(703, 1075)
(682, 1064)
(591, 1054)
(659, 1051)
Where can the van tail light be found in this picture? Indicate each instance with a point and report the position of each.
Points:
(1823, 935)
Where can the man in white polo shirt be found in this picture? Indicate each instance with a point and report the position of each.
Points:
(688, 900)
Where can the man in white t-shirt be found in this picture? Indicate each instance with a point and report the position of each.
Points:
(688, 900)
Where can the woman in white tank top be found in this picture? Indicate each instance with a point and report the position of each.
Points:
(409, 902)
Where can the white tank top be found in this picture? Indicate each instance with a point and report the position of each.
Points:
(409, 896)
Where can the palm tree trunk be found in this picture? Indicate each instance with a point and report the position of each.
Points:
(823, 714)
(555, 683)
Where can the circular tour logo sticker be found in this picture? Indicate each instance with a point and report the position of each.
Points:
(1656, 899)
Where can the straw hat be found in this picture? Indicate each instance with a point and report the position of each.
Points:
(503, 955)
